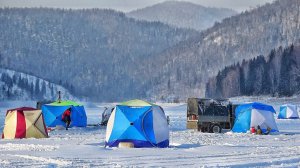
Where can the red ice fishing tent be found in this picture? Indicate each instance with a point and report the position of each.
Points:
(24, 122)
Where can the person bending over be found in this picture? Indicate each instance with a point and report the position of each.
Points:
(66, 117)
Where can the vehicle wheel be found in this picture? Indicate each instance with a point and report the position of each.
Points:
(203, 129)
(215, 128)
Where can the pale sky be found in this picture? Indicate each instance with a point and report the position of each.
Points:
(128, 5)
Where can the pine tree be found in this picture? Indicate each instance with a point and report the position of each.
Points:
(284, 88)
(43, 90)
(37, 88)
(242, 81)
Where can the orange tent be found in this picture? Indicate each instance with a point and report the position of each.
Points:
(24, 122)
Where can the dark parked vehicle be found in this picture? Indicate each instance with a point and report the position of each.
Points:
(210, 115)
(105, 115)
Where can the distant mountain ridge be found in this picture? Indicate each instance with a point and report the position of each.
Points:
(182, 14)
(98, 52)
(275, 75)
(106, 56)
(187, 67)
(19, 86)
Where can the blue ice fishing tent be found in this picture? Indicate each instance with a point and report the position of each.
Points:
(288, 111)
(254, 114)
(53, 114)
(139, 123)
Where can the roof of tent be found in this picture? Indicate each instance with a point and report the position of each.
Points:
(137, 103)
(65, 103)
(254, 105)
(22, 109)
(288, 105)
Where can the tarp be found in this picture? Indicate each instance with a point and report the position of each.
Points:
(24, 122)
(53, 114)
(192, 106)
(252, 115)
(144, 126)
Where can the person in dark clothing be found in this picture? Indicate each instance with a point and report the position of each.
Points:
(66, 117)
(258, 130)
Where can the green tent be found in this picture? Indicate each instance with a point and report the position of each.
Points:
(137, 103)
(53, 113)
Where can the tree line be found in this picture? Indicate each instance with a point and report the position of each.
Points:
(274, 75)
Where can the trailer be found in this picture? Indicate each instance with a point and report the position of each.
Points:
(210, 115)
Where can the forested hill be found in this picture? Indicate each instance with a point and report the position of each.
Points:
(182, 14)
(19, 86)
(187, 68)
(275, 75)
(97, 52)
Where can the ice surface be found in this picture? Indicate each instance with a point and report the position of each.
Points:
(84, 147)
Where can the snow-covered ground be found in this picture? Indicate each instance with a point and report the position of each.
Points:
(84, 147)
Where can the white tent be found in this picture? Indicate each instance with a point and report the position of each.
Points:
(288, 111)
(254, 115)
(138, 123)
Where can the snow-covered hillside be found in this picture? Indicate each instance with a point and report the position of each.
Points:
(182, 14)
(94, 53)
(84, 147)
(20, 86)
